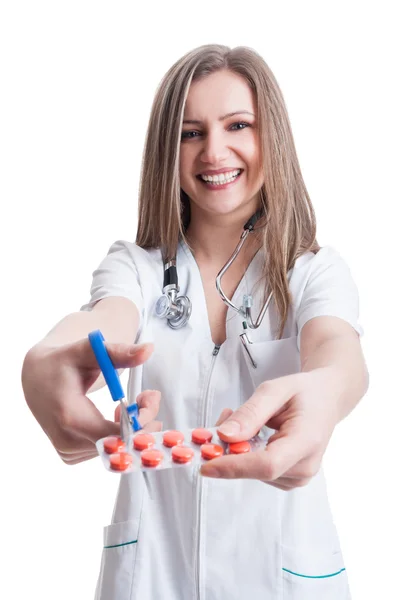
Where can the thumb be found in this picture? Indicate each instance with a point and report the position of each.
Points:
(267, 399)
(129, 355)
(121, 355)
(226, 412)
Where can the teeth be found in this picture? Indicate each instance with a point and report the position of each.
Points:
(221, 178)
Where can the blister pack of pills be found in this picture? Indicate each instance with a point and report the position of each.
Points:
(170, 449)
(136, 450)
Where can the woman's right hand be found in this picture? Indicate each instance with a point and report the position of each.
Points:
(55, 382)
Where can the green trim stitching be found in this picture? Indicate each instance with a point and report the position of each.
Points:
(314, 576)
(118, 545)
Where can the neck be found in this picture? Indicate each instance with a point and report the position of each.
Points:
(214, 238)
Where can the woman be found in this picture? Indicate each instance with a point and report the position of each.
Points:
(219, 151)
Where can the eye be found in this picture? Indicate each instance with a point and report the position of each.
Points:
(239, 125)
(189, 135)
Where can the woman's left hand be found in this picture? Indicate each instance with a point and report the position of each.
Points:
(302, 409)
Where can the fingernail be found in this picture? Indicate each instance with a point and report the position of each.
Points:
(230, 428)
(134, 349)
(210, 471)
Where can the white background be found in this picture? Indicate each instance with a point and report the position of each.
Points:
(77, 81)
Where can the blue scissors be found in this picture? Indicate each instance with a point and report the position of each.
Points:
(128, 412)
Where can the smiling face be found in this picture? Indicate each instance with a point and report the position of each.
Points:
(220, 151)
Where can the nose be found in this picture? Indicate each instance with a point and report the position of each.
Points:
(215, 149)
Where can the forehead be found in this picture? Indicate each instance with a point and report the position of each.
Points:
(218, 94)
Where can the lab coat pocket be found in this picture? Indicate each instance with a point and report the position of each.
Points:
(118, 561)
(274, 358)
(313, 576)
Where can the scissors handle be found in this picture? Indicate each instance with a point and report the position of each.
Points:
(129, 413)
(109, 372)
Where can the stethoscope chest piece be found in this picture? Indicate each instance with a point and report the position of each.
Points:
(162, 307)
(176, 309)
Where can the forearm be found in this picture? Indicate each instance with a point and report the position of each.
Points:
(339, 364)
(117, 318)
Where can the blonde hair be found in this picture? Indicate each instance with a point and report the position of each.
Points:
(163, 206)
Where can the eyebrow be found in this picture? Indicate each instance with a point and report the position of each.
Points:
(231, 114)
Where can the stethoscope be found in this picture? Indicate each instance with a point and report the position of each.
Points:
(177, 309)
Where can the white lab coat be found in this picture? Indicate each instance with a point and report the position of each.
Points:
(203, 539)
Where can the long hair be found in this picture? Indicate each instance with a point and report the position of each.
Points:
(163, 207)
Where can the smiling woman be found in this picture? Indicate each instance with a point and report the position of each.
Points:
(219, 154)
(223, 152)
(221, 111)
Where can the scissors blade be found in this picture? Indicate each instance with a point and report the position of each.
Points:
(128, 416)
(125, 425)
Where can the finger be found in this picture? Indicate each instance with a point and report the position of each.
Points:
(148, 402)
(78, 460)
(69, 457)
(126, 355)
(247, 466)
(277, 420)
(269, 464)
(227, 412)
(304, 470)
(89, 423)
(284, 488)
(101, 429)
(307, 467)
(151, 427)
(291, 482)
(267, 399)
(73, 445)
(121, 355)
(290, 453)
(66, 442)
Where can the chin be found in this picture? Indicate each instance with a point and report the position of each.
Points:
(225, 206)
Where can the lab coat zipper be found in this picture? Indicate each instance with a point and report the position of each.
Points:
(215, 352)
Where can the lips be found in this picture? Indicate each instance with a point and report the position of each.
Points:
(220, 181)
(224, 177)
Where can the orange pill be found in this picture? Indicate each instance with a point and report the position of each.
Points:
(210, 451)
(239, 448)
(113, 444)
(151, 458)
(201, 436)
(120, 461)
(173, 438)
(143, 441)
(182, 454)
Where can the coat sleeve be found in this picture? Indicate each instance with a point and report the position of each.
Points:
(329, 290)
(116, 275)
